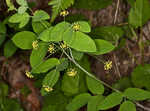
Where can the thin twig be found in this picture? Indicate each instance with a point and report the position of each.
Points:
(117, 68)
(116, 13)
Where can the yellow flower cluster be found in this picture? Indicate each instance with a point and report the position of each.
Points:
(47, 88)
(63, 45)
(76, 26)
(72, 72)
(29, 75)
(51, 49)
(108, 65)
(64, 13)
(35, 44)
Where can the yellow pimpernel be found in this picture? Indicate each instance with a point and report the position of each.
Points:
(51, 49)
(108, 65)
(76, 26)
(63, 45)
(64, 13)
(28, 74)
(47, 88)
(35, 44)
(72, 72)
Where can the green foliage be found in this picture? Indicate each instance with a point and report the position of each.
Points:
(40, 15)
(63, 64)
(58, 5)
(137, 94)
(78, 102)
(3, 90)
(102, 46)
(92, 4)
(39, 27)
(24, 39)
(58, 31)
(127, 106)
(70, 85)
(139, 14)
(22, 19)
(9, 103)
(2, 32)
(45, 65)
(38, 54)
(110, 101)
(84, 26)
(77, 55)
(122, 84)
(141, 75)
(109, 33)
(63, 45)
(9, 48)
(10, 5)
(78, 41)
(23, 6)
(94, 86)
(93, 102)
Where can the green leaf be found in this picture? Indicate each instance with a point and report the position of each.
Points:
(131, 2)
(78, 102)
(39, 27)
(45, 65)
(46, 35)
(2, 32)
(141, 76)
(22, 9)
(63, 64)
(3, 90)
(22, 2)
(137, 94)
(103, 47)
(75, 18)
(22, 19)
(51, 78)
(94, 86)
(92, 4)
(9, 48)
(77, 55)
(11, 105)
(84, 26)
(79, 41)
(58, 5)
(10, 5)
(122, 84)
(57, 100)
(70, 85)
(38, 54)
(93, 102)
(40, 15)
(24, 39)
(109, 33)
(127, 106)
(139, 14)
(110, 101)
(58, 31)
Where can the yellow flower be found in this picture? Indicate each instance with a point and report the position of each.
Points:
(47, 88)
(63, 45)
(35, 44)
(72, 72)
(108, 65)
(76, 26)
(64, 13)
(29, 75)
(51, 49)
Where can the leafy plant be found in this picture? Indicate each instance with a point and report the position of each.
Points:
(59, 54)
